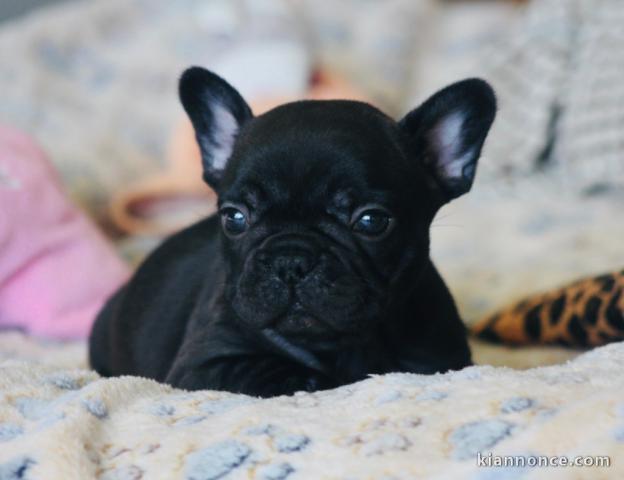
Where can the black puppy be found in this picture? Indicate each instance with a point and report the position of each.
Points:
(316, 270)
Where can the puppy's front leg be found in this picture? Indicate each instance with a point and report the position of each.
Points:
(261, 376)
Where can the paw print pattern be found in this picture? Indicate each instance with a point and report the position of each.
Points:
(471, 438)
(216, 461)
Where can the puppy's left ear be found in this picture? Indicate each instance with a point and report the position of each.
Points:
(447, 133)
(217, 112)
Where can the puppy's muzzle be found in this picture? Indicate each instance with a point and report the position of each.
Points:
(290, 257)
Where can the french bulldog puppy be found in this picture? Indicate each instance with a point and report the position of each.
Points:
(315, 272)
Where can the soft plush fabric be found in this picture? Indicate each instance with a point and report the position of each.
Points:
(370, 42)
(56, 269)
(61, 422)
(556, 67)
(558, 75)
(107, 71)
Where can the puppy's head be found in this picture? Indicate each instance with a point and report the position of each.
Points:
(326, 205)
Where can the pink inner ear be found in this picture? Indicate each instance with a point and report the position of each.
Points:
(225, 130)
(447, 141)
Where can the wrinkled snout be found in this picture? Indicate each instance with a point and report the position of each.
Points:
(291, 258)
(297, 285)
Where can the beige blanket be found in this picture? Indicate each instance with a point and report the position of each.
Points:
(57, 422)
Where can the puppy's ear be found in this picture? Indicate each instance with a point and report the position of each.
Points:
(217, 112)
(448, 130)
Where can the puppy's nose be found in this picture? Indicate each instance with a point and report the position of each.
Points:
(293, 265)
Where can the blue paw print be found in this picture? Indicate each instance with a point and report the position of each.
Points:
(216, 461)
(474, 437)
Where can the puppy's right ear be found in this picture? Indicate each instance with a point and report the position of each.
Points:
(448, 130)
(217, 112)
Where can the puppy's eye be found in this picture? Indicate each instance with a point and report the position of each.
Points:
(234, 221)
(372, 223)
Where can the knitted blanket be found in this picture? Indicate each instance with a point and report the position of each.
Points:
(61, 422)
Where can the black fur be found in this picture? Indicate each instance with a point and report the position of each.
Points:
(303, 299)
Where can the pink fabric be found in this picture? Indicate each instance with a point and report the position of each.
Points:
(56, 269)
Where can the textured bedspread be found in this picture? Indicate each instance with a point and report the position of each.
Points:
(61, 422)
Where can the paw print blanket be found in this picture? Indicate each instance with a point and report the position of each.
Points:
(59, 421)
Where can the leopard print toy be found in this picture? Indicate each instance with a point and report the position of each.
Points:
(585, 313)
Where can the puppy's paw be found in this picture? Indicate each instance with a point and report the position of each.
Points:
(313, 384)
(307, 383)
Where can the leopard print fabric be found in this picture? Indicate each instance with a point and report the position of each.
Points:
(585, 313)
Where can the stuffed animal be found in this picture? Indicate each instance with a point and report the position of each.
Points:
(587, 312)
(56, 269)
